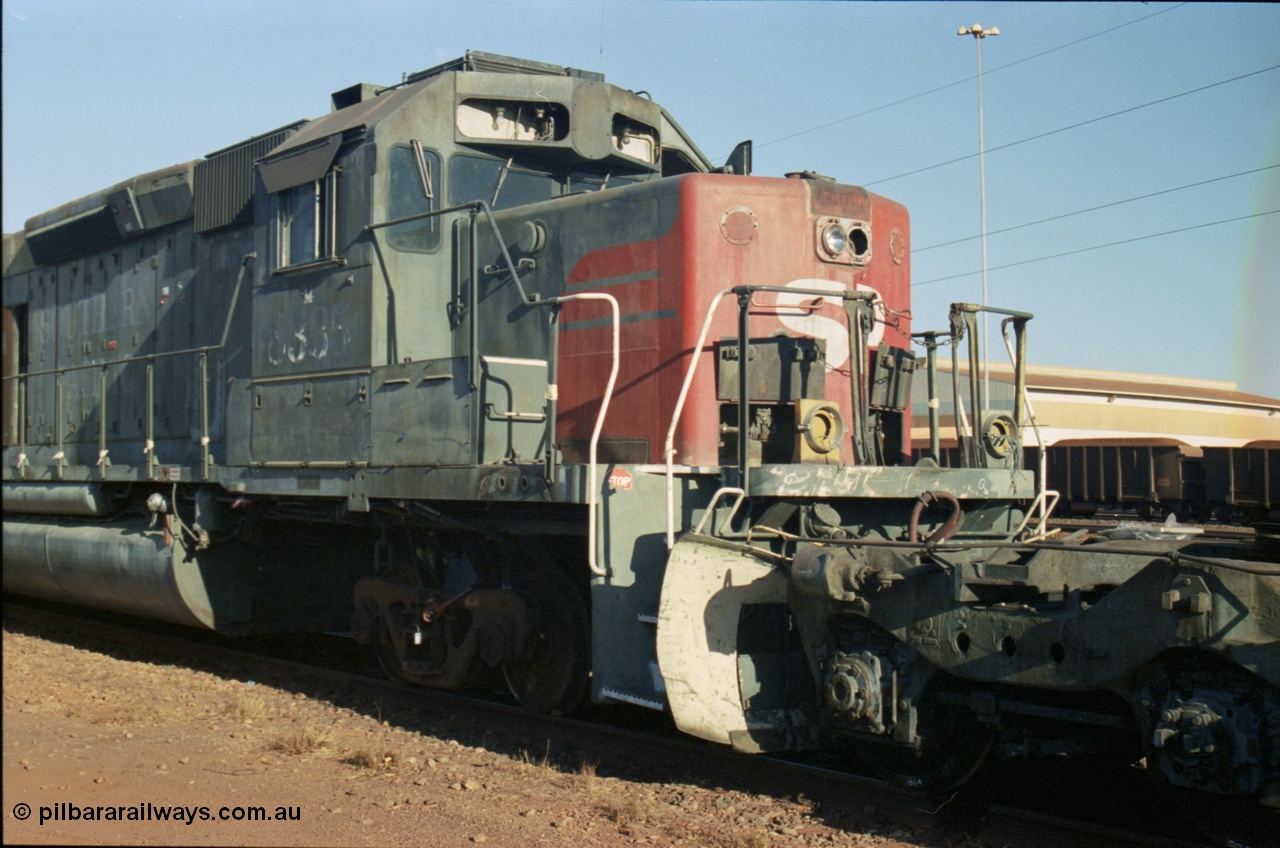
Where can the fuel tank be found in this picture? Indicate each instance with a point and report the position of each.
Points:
(123, 567)
(82, 499)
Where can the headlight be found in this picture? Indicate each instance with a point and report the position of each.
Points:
(842, 241)
(834, 239)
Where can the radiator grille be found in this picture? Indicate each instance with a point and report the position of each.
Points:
(224, 181)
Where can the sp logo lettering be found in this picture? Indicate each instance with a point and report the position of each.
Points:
(795, 313)
(619, 479)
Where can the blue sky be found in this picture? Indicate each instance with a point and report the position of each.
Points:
(1165, 96)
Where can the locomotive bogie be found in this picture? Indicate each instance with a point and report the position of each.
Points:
(494, 371)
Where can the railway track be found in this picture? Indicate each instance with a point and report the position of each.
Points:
(1022, 804)
(1216, 532)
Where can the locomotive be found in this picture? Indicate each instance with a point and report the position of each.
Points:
(495, 371)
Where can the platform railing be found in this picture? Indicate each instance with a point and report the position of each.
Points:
(856, 307)
(201, 355)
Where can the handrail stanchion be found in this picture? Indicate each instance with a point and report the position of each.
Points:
(103, 462)
(60, 456)
(149, 450)
(593, 478)
(669, 449)
(205, 459)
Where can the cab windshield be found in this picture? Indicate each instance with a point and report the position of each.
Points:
(502, 184)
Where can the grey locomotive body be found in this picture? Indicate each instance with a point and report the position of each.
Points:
(496, 371)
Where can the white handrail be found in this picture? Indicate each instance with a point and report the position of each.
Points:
(1042, 458)
(669, 449)
(593, 479)
(1041, 500)
(711, 508)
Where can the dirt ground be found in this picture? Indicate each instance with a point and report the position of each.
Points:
(108, 749)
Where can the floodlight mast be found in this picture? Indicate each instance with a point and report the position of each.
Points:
(979, 34)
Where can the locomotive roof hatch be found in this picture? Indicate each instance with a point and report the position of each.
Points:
(472, 60)
(492, 63)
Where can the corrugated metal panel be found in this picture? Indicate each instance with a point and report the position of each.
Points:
(224, 180)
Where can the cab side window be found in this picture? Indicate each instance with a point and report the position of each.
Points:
(305, 222)
(415, 189)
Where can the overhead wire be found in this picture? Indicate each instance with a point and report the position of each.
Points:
(1098, 247)
(990, 71)
(1073, 126)
(919, 250)
(1050, 133)
(1044, 135)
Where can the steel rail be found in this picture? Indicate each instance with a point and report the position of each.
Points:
(752, 773)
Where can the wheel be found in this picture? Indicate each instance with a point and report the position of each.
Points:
(439, 658)
(390, 663)
(552, 674)
(387, 648)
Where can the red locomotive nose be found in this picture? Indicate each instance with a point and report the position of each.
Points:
(705, 241)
